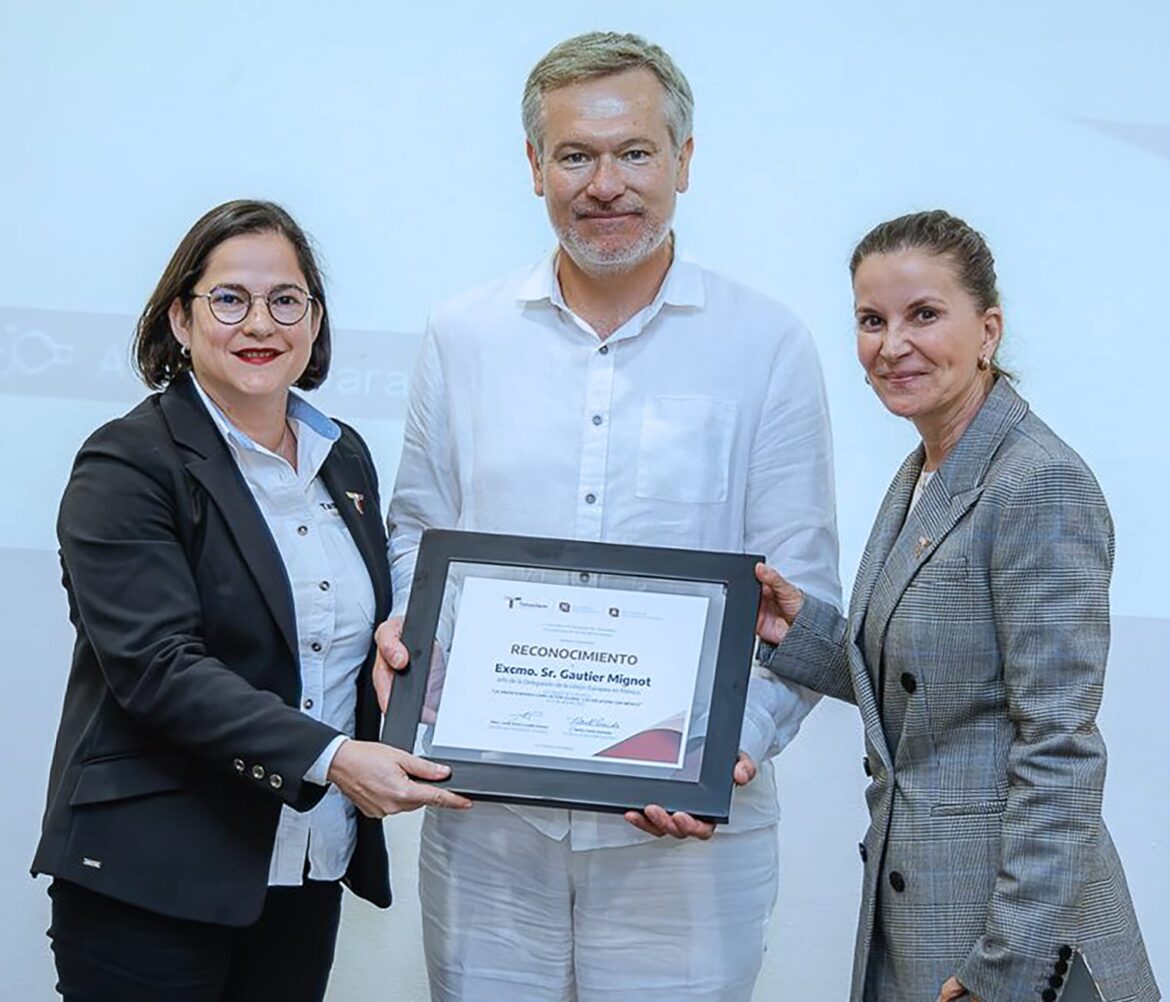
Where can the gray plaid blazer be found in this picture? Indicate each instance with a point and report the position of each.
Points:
(975, 648)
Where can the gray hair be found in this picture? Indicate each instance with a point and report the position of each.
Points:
(601, 54)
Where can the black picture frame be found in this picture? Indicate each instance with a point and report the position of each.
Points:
(708, 795)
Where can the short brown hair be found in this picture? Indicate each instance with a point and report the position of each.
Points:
(158, 357)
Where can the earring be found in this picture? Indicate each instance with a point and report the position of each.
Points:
(984, 362)
(185, 352)
(867, 382)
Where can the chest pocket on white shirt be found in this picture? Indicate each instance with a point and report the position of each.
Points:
(685, 449)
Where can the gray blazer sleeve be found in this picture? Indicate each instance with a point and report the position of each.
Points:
(1052, 558)
(814, 652)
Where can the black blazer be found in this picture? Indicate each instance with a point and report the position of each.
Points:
(179, 738)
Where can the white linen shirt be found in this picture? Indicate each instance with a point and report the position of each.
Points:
(700, 423)
(333, 598)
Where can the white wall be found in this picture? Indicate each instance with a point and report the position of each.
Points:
(1046, 125)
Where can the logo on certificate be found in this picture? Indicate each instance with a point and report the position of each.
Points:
(519, 602)
(564, 606)
(615, 611)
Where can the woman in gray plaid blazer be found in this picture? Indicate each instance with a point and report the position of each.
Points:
(975, 648)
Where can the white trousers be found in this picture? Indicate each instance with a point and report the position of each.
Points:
(510, 915)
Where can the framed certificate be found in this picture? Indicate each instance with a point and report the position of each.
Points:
(571, 674)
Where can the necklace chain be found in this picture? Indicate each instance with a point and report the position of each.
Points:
(284, 437)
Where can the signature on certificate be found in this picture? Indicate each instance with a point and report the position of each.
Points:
(525, 715)
(600, 722)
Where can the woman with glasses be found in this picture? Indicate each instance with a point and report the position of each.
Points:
(217, 773)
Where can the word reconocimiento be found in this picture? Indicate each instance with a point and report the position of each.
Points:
(574, 654)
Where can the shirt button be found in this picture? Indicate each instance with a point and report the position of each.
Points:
(307, 704)
(597, 419)
(315, 646)
(603, 350)
(238, 764)
(275, 781)
(302, 530)
(324, 586)
(257, 771)
(590, 498)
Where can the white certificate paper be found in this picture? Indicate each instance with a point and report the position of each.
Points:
(572, 672)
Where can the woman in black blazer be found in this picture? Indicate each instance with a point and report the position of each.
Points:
(225, 560)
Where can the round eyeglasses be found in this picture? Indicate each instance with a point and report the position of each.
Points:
(229, 304)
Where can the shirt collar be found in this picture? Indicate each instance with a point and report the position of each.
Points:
(316, 432)
(683, 285)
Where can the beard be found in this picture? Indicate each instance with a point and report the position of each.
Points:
(595, 257)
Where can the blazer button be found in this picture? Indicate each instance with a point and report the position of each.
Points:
(865, 766)
(1065, 953)
(1056, 981)
(897, 881)
(1061, 967)
(257, 771)
(862, 853)
(1048, 995)
(238, 764)
(275, 781)
(909, 682)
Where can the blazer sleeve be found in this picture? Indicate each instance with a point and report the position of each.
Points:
(814, 652)
(136, 599)
(1052, 558)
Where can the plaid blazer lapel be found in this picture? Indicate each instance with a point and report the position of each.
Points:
(949, 495)
(935, 515)
(882, 538)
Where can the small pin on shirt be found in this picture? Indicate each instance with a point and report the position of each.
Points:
(359, 501)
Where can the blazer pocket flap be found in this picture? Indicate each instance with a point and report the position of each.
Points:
(131, 776)
(946, 569)
(969, 808)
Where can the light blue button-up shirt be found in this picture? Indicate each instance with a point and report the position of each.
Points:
(334, 602)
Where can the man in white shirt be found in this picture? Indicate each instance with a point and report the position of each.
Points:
(614, 392)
